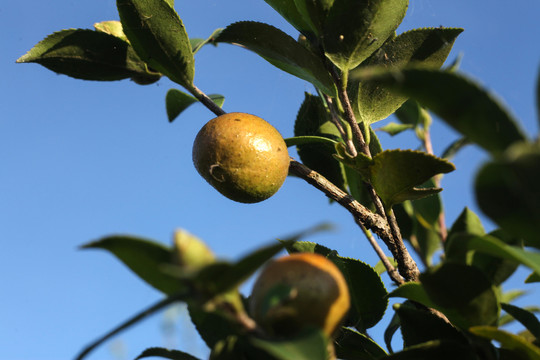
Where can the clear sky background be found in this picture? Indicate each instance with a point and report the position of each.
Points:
(81, 160)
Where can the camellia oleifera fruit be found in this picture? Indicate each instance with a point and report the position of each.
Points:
(242, 156)
(298, 291)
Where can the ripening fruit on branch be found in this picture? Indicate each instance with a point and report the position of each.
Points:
(297, 291)
(242, 156)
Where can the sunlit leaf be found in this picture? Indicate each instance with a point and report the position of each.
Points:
(353, 30)
(157, 34)
(112, 27)
(280, 50)
(393, 128)
(309, 346)
(508, 340)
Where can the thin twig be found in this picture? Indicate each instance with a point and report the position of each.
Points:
(206, 101)
(351, 149)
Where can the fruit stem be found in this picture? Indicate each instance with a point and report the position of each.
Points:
(206, 101)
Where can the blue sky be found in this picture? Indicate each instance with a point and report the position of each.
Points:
(81, 160)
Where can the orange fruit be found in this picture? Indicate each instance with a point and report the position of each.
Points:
(242, 156)
(299, 290)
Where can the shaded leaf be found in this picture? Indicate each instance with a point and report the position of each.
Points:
(396, 174)
(465, 289)
(457, 100)
(228, 348)
(309, 346)
(157, 34)
(508, 340)
(165, 353)
(525, 317)
(197, 44)
(440, 350)
(507, 318)
(88, 55)
(280, 50)
(177, 101)
(352, 345)
(144, 257)
(314, 13)
(211, 326)
(367, 291)
(508, 191)
(353, 30)
(390, 330)
(532, 278)
(423, 47)
(419, 326)
(314, 120)
(454, 147)
(288, 10)
(467, 222)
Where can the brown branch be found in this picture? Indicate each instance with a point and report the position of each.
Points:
(206, 101)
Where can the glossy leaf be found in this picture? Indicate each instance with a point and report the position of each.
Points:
(440, 350)
(368, 293)
(144, 257)
(457, 100)
(508, 341)
(508, 191)
(309, 346)
(313, 119)
(419, 326)
(396, 174)
(87, 55)
(166, 354)
(424, 47)
(280, 50)
(157, 34)
(177, 101)
(353, 29)
(352, 345)
(465, 289)
(287, 9)
(525, 317)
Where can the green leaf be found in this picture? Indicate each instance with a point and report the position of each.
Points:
(287, 9)
(467, 222)
(396, 174)
(307, 246)
(422, 47)
(491, 245)
(525, 317)
(413, 291)
(197, 44)
(508, 191)
(166, 354)
(314, 120)
(353, 30)
(508, 341)
(157, 34)
(352, 345)
(454, 148)
(440, 350)
(458, 101)
(309, 346)
(391, 329)
(222, 276)
(177, 101)
(314, 13)
(303, 140)
(88, 55)
(229, 348)
(466, 290)
(112, 27)
(368, 294)
(511, 295)
(211, 326)
(144, 257)
(419, 326)
(532, 278)
(507, 318)
(393, 128)
(280, 50)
